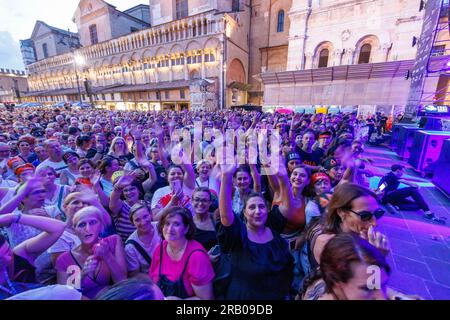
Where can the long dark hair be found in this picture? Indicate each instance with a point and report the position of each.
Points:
(342, 198)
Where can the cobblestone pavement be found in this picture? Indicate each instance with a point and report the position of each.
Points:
(420, 250)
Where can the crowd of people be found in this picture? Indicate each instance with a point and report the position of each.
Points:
(95, 200)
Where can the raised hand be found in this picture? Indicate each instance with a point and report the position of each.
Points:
(90, 265)
(377, 239)
(102, 250)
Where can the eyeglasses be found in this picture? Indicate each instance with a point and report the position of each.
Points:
(367, 215)
(200, 200)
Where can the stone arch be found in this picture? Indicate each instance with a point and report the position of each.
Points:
(147, 55)
(135, 57)
(212, 43)
(368, 41)
(236, 72)
(325, 45)
(176, 49)
(195, 74)
(193, 46)
(124, 59)
(115, 61)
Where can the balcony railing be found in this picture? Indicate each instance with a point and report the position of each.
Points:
(203, 24)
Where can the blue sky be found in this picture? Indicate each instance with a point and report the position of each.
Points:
(19, 16)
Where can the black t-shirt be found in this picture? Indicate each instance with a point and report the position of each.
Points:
(161, 178)
(312, 159)
(392, 183)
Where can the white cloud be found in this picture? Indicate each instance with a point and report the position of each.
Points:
(10, 56)
(18, 18)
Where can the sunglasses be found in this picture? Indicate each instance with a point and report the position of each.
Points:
(367, 215)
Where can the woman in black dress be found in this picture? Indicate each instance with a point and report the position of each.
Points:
(205, 230)
(262, 265)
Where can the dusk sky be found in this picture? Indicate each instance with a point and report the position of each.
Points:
(18, 18)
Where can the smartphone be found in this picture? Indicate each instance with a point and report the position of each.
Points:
(382, 187)
(176, 186)
(215, 251)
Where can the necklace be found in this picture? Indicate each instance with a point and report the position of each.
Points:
(11, 291)
(178, 251)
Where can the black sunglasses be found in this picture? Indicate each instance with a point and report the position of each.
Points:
(367, 215)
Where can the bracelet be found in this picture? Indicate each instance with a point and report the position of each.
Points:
(18, 217)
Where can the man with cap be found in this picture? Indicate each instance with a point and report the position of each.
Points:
(324, 142)
(292, 160)
(286, 148)
(334, 170)
(398, 198)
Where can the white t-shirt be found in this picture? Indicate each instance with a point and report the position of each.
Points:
(211, 184)
(58, 197)
(66, 242)
(164, 191)
(8, 196)
(6, 183)
(58, 166)
(135, 261)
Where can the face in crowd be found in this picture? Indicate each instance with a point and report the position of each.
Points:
(88, 226)
(175, 174)
(48, 176)
(142, 219)
(299, 178)
(242, 180)
(54, 150)
(201, 201)
(255, 212)
(204, 170)
(174, 229)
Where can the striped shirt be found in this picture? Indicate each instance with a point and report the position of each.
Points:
(123, 223)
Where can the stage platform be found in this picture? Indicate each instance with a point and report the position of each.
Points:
(420, 250)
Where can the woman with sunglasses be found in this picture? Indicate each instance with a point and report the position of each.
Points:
(352, 209)
(141, 244)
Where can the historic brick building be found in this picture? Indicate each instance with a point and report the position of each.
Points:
(155, 67)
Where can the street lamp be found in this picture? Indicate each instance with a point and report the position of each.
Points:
(79, 62)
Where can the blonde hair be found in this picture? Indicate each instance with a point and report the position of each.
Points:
(124, 151)
(89, 211)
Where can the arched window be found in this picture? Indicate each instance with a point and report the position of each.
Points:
(364, 54)
(323, 58)
(45, 50)
(280, 25)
